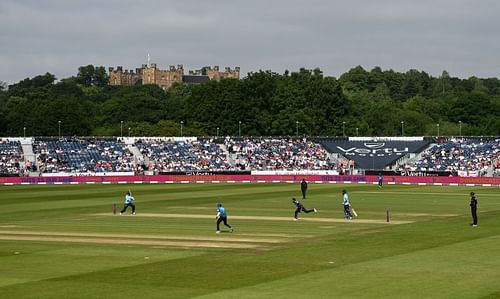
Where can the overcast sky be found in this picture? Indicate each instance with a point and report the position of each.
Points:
(58, 36)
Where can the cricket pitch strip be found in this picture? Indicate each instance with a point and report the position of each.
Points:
(266, 218)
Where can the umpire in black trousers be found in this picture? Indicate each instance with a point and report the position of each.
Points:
(303, 188)
(473, 208)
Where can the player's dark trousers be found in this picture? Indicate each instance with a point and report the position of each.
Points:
(347, 212)
(222, 219)
(304, 194)
(126, 206)
(474, 215)
(298, 210)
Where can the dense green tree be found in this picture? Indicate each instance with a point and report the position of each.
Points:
(90, 75)
(266, 103)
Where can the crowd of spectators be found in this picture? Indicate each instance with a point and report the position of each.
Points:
(78, 156)
(279, 154)
(185, 155)
(11, 153)
(455, 156)
(458, 155)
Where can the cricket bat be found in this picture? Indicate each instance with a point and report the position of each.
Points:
(354, 212)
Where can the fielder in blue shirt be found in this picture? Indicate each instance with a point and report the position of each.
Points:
(222, 217)
(129, 202)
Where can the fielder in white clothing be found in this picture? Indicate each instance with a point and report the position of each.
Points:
(347, 205)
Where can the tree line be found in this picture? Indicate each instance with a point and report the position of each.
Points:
(360, 102)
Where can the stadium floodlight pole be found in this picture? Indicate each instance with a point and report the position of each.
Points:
(182, 123)
(217, 132)
(129, 131)
(343, 128)
(297, 128)
(59, 123)
(437, 125)
(402, 128)
(357, 132)
(121, 129)
(24, 131)
(460, 127)
(239, 128)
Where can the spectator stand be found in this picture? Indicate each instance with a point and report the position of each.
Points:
(264, 154)
(83, 155)
(470, 156)
(11, 157)
(166, 155)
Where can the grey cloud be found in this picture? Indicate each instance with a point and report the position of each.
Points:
(57, 36)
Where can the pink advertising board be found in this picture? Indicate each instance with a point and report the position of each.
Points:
(325, 179)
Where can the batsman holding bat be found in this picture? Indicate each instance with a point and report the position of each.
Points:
(347, 205)
(129, 202)
(221, 217)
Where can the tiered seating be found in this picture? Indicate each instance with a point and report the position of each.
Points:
(279, 154)
(197, 155)
(458, 155)
(83, 156)
(11, 153)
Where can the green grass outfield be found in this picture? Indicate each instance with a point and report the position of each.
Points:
(64, 242)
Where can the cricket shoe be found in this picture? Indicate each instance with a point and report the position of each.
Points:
(295, 219)
(231, 230)
(217, 232)
(315, 211)
(133, 213)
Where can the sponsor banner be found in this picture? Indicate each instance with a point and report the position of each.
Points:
(373, 154)
(294, 172)
(391, 180)
(472, 173)
(204, 172)
(65, 174)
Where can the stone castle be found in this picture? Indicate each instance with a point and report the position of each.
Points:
(151, 74)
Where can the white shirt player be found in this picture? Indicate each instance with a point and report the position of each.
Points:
(346, 200)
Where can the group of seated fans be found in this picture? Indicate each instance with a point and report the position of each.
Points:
(82, 155)
(459, 155)
(185, 155)
(279, 154)
(11, 153)
(162, 155)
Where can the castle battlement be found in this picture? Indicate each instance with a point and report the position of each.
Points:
(151, 74)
